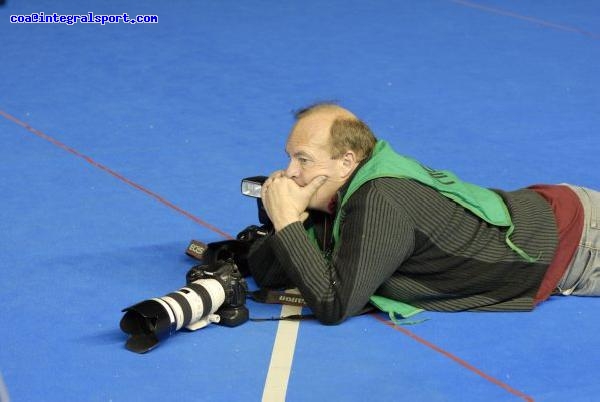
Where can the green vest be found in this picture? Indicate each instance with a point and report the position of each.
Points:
(484, 203)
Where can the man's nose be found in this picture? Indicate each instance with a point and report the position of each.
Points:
(292, 170)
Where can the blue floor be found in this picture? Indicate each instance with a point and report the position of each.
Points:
(120, 143)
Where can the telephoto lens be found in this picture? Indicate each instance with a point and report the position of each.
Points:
(193, 306)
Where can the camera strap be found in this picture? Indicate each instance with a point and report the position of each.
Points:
(290, 297)
(293, 317)
(196, 250)
(299, 317)
(214, 252)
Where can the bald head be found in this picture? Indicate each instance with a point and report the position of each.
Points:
(330, 110)
(344, 130)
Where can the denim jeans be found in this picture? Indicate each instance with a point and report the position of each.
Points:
(582, 277)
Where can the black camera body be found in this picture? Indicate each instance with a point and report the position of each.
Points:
(233, 311)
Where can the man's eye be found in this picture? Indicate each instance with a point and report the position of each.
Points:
(303, 160)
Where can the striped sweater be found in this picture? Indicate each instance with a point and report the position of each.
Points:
(403, 240)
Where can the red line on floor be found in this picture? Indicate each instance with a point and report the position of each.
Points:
(456, 359)
(113, 173)
(527, 18)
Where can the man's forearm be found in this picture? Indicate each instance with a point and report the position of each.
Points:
(310, 272)
(264, 266)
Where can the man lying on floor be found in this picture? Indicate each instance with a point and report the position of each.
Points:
(352, 218)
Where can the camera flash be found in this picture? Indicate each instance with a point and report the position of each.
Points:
(252, 186)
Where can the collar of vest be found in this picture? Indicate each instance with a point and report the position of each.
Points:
(341, 193)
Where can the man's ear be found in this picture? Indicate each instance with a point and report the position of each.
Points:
(349, 163)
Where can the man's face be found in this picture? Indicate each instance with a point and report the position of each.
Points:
(309, 152)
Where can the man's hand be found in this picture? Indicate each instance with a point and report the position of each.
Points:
(285, 201)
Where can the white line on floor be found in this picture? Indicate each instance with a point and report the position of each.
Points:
(282, 356)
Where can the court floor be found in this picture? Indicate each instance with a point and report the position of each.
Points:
(121, 142)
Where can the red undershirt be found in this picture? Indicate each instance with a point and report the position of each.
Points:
(568, 212)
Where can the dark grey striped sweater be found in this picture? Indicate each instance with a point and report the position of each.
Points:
(405, 241)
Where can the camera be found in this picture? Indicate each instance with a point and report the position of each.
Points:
(214, 293)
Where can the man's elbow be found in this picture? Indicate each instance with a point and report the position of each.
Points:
(330, 318)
